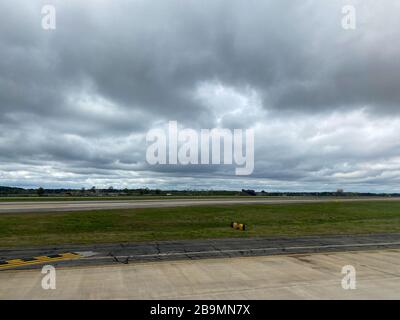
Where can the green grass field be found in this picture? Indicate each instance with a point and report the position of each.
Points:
(198, 223)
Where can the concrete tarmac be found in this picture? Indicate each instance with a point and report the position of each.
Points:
(59, 206)
(301, 276)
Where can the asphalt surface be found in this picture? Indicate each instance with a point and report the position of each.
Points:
(60, 206)
(128, 253)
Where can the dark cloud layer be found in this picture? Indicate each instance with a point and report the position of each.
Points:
(76, 102)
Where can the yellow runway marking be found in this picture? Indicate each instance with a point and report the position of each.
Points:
(13, 263)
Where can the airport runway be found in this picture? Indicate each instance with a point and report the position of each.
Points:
(59, 206)
(305, 276)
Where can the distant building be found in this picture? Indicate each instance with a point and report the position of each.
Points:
(248, 192)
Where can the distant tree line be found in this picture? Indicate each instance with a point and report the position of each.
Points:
(93, 191)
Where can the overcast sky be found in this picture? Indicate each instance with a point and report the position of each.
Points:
(76, 102)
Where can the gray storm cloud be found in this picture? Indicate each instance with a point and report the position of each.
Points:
(76, 102)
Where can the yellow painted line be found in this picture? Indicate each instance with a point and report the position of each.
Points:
(13, 263)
